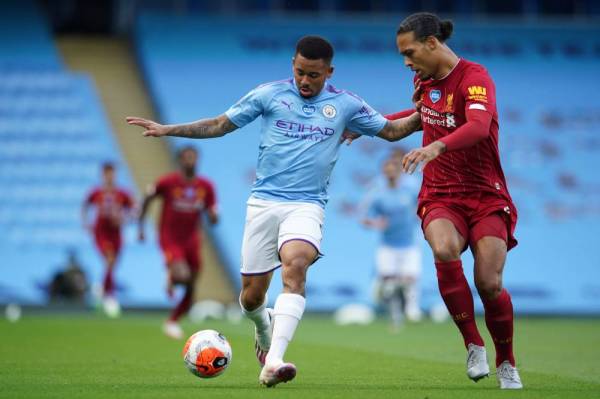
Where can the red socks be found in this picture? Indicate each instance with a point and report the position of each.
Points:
(108, 285)
(499, 321)
(183, 306)
(459, 300)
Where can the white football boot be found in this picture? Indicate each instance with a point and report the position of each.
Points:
(262, 342)
(273, 374)
(172, 329)
(477, 365)
(508, 376)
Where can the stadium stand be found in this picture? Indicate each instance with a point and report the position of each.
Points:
(54, 135)
(196, 67)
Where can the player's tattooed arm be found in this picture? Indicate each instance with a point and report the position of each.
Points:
(202, 129)
(401, 128)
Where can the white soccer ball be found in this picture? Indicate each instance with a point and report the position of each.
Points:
(207, 354)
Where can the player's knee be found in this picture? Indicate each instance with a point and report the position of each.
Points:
(251, 299)
(180, 273)
(445, 250)
(488, 288)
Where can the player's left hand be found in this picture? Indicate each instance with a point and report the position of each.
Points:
(422, 155)
(349, 137)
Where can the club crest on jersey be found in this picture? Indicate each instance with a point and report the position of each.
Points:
(435, 95)
(309, 109)
(329, 111)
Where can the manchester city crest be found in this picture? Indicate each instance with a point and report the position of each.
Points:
(435, 95)
(329, 111)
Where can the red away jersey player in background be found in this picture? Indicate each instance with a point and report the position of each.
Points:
(185, 198)
(112, 206)
(464, 201)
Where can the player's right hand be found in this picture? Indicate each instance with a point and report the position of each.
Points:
(153, 129)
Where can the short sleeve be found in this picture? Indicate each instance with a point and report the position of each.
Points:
(248, 108)
(366, 120)
(479, 91)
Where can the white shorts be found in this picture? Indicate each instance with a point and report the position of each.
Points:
(398, 262)
(270, 224)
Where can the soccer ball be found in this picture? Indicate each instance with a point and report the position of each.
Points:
(207, 354)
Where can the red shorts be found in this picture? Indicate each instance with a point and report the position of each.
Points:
(108, 243)
(187, 251)
(474, 217)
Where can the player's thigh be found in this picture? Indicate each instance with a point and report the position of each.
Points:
(109, 247)
(259, 243)
(446, 232)
(193, 255)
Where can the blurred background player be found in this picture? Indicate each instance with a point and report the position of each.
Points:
(113, 206)
(185, 198)
(391, 210)
(464, 200)
(303, 124)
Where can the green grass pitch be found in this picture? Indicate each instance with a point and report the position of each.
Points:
(88, 356)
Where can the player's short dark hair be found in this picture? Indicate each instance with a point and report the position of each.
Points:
(108, 165)
(315, 48)
(185, 149)
(425, 24)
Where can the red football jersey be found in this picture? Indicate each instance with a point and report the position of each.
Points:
(183, 203)
(445, 102)
(111, 205)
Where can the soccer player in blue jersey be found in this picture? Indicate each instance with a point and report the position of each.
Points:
(390, 209)
(303, 122)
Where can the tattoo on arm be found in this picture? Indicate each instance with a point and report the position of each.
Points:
(401, 128)
(204, 128)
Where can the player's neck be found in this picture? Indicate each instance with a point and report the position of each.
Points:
(188, 174)
(448, 64)
(392, 183)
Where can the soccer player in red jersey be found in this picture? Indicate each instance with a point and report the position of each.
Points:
(112, 207)
(464, 200)
(186, 197)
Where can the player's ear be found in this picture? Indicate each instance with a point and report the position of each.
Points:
(432, 42)
(330, 71)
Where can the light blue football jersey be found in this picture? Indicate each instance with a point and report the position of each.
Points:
(398, 205)
(300, 137)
